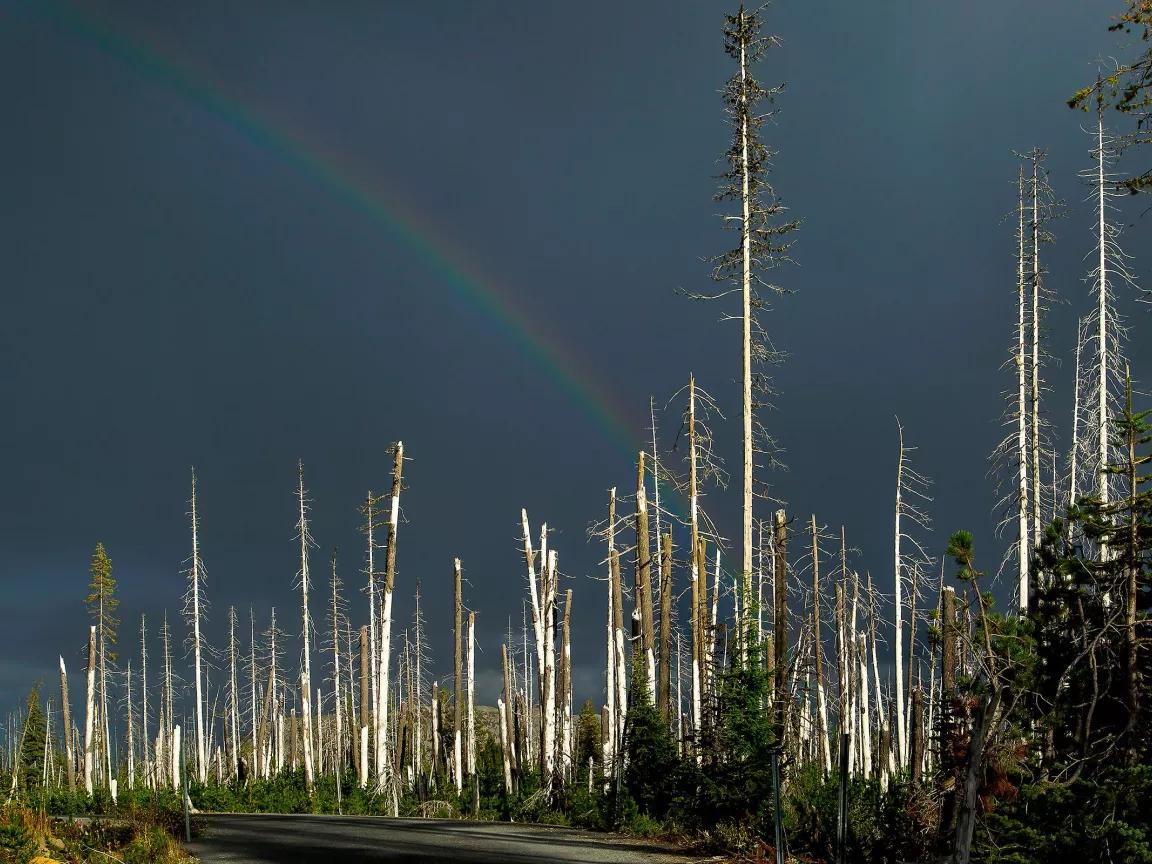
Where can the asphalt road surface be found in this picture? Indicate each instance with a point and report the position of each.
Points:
(372, 840)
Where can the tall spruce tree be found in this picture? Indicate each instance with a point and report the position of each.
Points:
(102, 606)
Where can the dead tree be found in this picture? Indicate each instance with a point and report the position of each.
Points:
(66, 707)
(386, 612)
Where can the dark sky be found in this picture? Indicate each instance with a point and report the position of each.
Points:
(183, 282)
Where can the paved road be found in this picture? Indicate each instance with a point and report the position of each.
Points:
(373, 840)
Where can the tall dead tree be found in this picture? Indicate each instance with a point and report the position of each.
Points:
(194, 613)
(664, 703)
(305, 539)
(642, 586)
(66, 706)
(90, 712)
(762, 246)
(822, 729)
(780, 621)
(911, 494)
(386, 610)
(233, 695)
(458, 669)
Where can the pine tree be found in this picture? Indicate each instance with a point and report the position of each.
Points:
(32, 742)
(102, 605)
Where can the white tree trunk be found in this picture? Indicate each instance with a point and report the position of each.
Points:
(90, 711)
(306, 659)
(471, 721)
(901, 731)
(194, 577)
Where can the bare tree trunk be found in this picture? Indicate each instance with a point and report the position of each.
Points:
(818, 655)
(780, 620)
(1035, 356)
(697, 572)
(643, 583)
(233, 694)
(131, 742)
(901, 732)
(458, 655)
(471, 725)
(148, 779)
(567, 766)
(746, 170)
(195, 576)
(610, 707)
(620, 659)
(506, 720)
(664, 704)
(548, 696)
(306, 633)
(386, 610)
(66, 707)
(90, 711)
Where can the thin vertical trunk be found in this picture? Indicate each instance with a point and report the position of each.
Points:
(565, 694)
(818, 655)
(365, 706)
(643, 582)
(471, 727)
(336, 683)
(697, 572)
(901, 732)
(746, 314)
(386, 611)
(508, 743)
(458, 668)
(233, 694)
(1102, 314)
(665, 571)
(620, 660)
(131, 742)
(912, 633)
(195, 575)
(306, 671)
(1035, 355)
(373, 608)
(1023, 535)
(780, 619)
(148, 781)
(548, 696)
(66, 707)
(90, 711)
(609, 749)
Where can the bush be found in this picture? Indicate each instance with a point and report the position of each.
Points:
(17, 842)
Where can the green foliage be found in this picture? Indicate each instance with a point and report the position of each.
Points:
(651, 757)
(32, 741)
(1105, 818)
(102, 602)
(17, 842)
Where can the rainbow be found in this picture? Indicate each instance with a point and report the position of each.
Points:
(621, 425)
